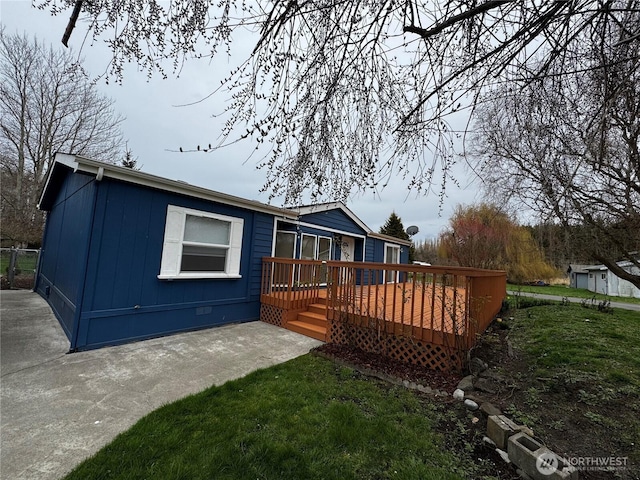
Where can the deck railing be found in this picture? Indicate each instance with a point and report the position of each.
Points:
(447, 306)
(292, 284)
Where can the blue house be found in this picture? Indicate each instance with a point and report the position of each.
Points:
(127, 255)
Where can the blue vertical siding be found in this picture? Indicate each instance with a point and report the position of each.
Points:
(261, 247)
(375, 250)
(124, 300)
(62, 264)
(371, 250)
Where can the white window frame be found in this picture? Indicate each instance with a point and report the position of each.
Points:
(285, 232)
(174, 240)
(323, 237)
(392, 276)
(315, 245)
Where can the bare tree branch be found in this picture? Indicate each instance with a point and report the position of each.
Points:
(336, 96)
(47, 105)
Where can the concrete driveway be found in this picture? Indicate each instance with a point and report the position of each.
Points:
(57, 409)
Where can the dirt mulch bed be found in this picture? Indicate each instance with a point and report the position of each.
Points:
(19, 283)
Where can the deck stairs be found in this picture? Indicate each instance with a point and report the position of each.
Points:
(312, 323)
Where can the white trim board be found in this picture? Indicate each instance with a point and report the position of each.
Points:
(101, 169)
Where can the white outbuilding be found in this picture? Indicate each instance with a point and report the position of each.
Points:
(602, 280)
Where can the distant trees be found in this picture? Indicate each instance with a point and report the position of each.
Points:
(47, 104)
(567, 145)
(129, 160)
(484, 236)
(427, 251)
(394, 228)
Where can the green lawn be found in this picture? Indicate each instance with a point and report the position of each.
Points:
(576, 380)
(304, 419)
(573, 338)
(566, 291)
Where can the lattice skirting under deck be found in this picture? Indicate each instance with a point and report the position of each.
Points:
(273, 315)
(369, 339)
(278, 316)
(404, 349)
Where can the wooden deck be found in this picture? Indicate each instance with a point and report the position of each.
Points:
(430, 316)
(438, 307)
(427, 310)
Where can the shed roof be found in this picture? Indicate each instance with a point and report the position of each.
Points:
(621, 263)
(63, 162)
(596, 267)
(578, 268)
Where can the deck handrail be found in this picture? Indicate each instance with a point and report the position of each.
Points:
(443, 305)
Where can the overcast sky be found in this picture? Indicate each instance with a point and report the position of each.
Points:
(156, 127)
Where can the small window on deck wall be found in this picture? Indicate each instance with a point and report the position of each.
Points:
(308, 249)
(391, 255)
(285, 244)
(200, 245)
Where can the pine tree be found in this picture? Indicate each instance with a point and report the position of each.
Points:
(394, 228)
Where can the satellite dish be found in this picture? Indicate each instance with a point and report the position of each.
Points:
(412, 230)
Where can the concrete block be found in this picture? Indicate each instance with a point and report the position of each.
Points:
(489, 409)
(499, 429)
(538, 461)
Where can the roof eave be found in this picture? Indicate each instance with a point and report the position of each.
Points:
(389, 238)
(101, 170)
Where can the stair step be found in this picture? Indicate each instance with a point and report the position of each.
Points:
(312, 319)
(318, 309)
(310, 330)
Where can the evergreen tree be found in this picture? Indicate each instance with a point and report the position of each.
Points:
(394, 228)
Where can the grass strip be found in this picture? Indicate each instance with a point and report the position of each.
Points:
(566, 291)
(578, 339)
(304, 419)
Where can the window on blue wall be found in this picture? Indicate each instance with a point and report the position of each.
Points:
(391, 255)
(324, 248)
(285, 245)
(308, 249)
(205, 246)
(200, 245)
